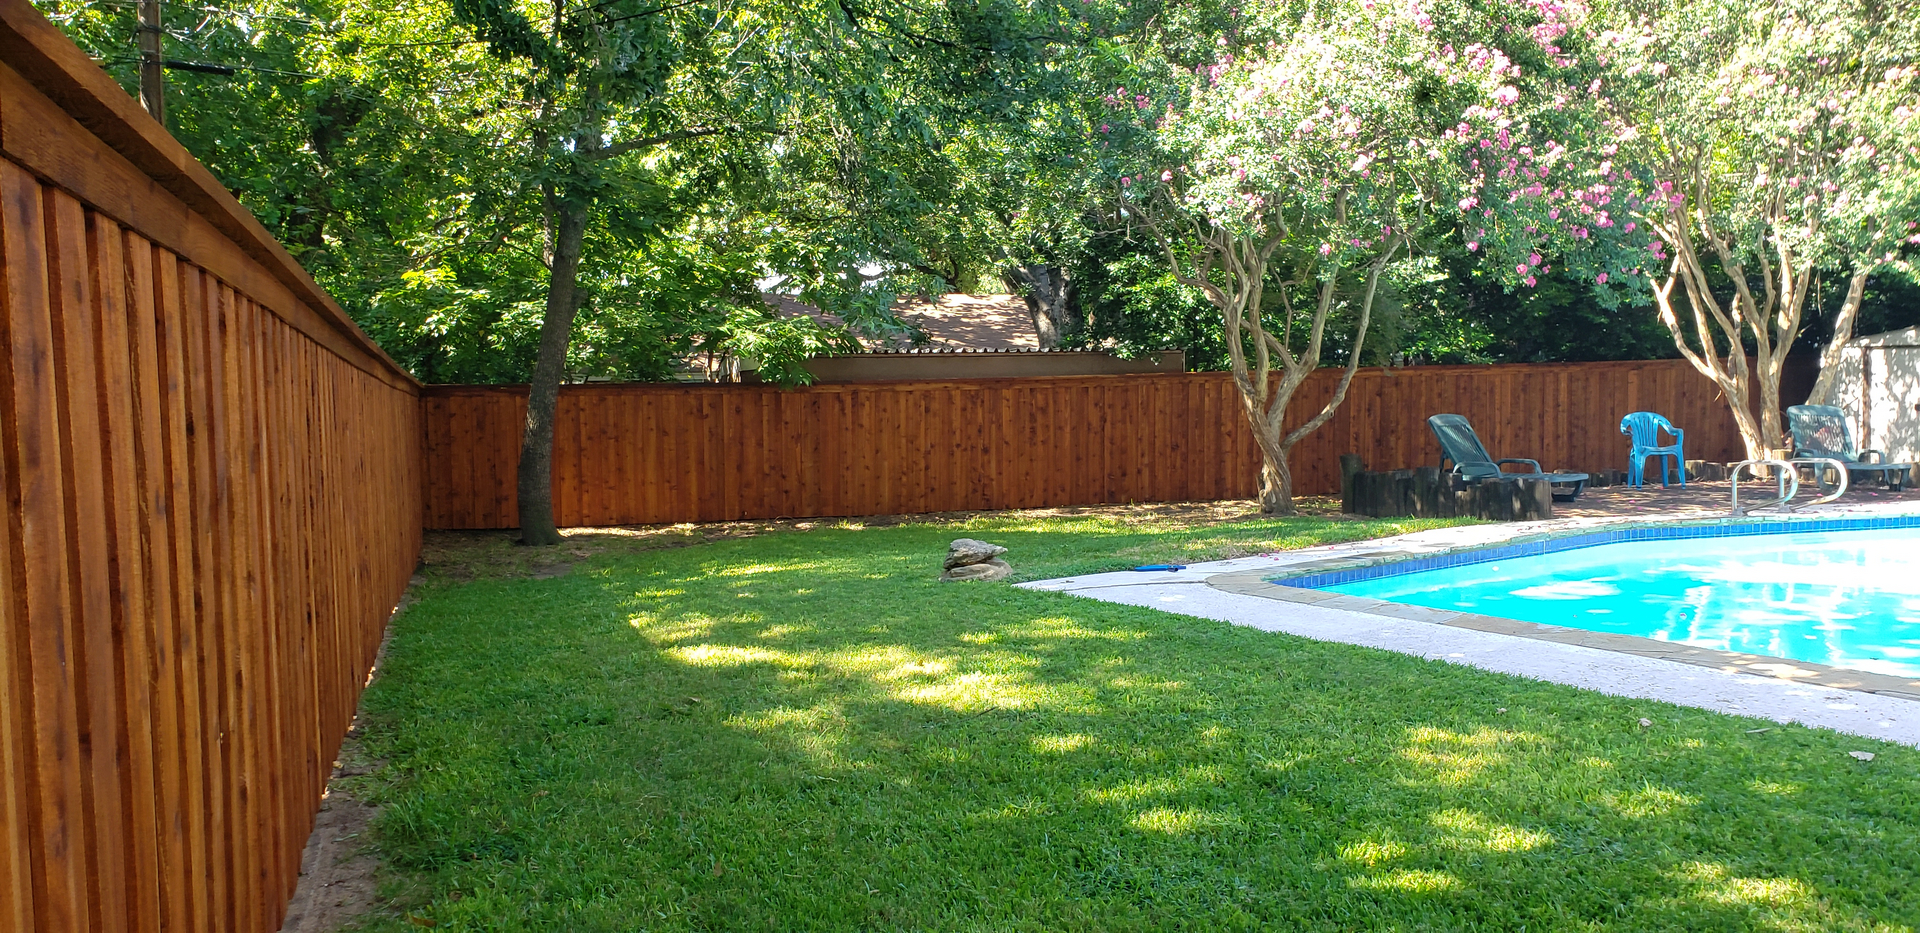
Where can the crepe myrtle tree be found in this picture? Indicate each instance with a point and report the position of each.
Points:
(1295, 175)
(1762, 144)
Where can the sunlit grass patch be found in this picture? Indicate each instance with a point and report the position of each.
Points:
(978, 691)
(1459, 758)
(1061, 744)
(1044, 629)
(1766, 892)
(1372, 853)
(1410, 881)
(1183, 820)
(733, 655)
(1470, 831)
(752, 570)
(1152, 788)
(683, 629)
(1650, 801)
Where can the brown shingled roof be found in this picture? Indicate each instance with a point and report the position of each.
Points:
(952, 322)
(972, 322)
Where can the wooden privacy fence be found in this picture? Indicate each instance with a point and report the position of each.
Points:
(212, 486)
(657, 453)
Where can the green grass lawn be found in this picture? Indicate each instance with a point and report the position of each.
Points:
(805, 731)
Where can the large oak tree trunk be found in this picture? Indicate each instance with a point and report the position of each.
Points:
(556, 334)
(1053, 300)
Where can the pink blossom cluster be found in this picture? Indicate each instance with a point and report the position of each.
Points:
(1418, 16)
(1557, 18)
(1121, 99)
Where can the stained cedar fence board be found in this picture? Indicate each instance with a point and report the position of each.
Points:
(213, 485)
(631, 454)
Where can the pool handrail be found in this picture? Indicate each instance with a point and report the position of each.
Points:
(1785, 474)
(1838, 466)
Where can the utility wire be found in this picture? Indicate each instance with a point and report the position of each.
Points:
(201, 67)
(215, 68)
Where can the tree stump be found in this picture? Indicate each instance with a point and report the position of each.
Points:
(1535, 500)
(1498, 500)
(1427, 492)
(1350, 466)
(1465, 497)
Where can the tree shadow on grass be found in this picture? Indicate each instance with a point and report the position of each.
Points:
(810, 733)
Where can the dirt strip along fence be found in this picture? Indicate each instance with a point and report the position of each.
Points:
(631, 454)
(212, 484)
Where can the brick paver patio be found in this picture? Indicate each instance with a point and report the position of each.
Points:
(1702, 499)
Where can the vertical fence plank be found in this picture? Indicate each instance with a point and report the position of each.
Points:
(16, 846)
(36, 497)
(214, 605)
(134, 619)
(276, 824)
(88, 561)
(188, 796)
(18, 839)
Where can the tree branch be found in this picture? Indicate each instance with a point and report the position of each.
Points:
(648, 142)
(1353, 357)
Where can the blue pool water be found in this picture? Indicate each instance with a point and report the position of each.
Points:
(1845, 598)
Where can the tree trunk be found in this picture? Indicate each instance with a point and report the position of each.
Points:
(1052, 297)
(1823, 387)
(1768, 412)
(556, 334)
(1276, 478)
(1751, 436)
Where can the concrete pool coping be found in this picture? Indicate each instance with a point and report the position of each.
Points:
(1857, 702)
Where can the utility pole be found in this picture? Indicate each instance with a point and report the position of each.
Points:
(153, 81)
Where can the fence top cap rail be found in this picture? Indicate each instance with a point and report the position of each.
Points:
(1367, 374)
(936, 382)
(53, 65)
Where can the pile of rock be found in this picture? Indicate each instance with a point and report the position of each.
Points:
(968, 559)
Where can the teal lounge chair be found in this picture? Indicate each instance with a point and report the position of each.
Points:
(1471, 461)
(1821, 431)
(1644, 428)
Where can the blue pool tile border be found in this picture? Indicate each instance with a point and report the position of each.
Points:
(1394, 568)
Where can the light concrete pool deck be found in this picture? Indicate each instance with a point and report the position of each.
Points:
(1854, 702)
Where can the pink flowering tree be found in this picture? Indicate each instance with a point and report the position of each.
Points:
(1769, 143)
(1294, 176)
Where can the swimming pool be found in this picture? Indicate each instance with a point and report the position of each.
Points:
(1847, 595)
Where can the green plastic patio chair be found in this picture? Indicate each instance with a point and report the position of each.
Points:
(1471, 461)
(1821, 431)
